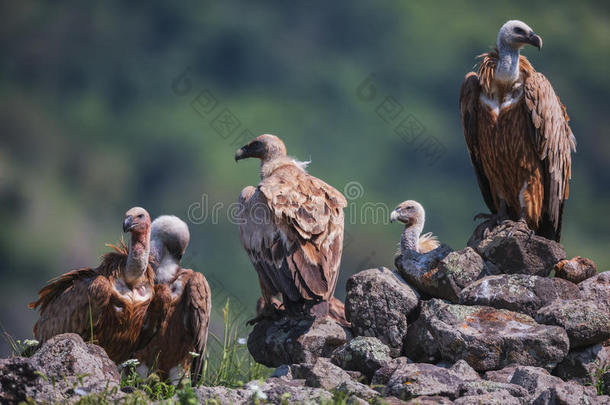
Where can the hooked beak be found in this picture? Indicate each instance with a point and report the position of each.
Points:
(394, 216)
(240, 154)
(534, 40)
(128, 223)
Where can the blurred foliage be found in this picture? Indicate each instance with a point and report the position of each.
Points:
(91, 124)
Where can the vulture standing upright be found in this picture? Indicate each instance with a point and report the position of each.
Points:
(107, 304)
(175, 333)
(518, 136)
(291, 226)
(412, 214)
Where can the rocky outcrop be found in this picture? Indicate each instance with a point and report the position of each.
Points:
(442, 273)
(65, 368)
(511, 248)
(487, 338)
(518, 292)
(378, 303)
(586, 322)
(292, 341)
(576, 269)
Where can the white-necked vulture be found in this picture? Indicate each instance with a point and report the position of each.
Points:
(412, 214)
(107, 304)
(175, 333)
(518, 135)
(291, 226)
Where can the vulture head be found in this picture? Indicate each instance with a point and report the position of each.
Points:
(169, 234)
(516, 34)
(264, 147)
(409, 213)
(136, 220)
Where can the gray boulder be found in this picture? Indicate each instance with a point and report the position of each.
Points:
(586, 322)
(442, 273)
(487, 338)
(418, 379)
(597, 289)
(481, 387)
(383, 374)
(290, 341)
(503, 375)
(576, 269)
(535, 380)
(582, 365)
(364, 354)
(424, 400)
(511, 248)
(518, 292)
(501, 397)
(463, 369)
(605, 383)
(65, 368)
(570, 393)
(378, 303)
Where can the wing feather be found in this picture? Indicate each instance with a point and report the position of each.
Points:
(198, 299)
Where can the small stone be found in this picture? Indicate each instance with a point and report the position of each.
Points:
(378, 303)
(482, 387)
(597, 289)
(382, 375)
(463, 369)
(321, 374)
(583, 365)
(424, 400)
(418, 379)
(586, 322)
(534, 379)
(576, 269)
(502, 397)
(503, 375)
(570, 393)
(364, 354)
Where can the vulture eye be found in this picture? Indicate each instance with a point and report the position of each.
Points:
(141, 216)
(519, 31)
(410, 208)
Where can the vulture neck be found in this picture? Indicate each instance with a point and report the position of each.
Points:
(166, 269)
(271, 165)
(507, 68)
(409, 242)
(137, 259)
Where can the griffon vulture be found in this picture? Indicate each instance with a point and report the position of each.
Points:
(175, 333)
(291, 226)
(106, 304)
(412, 214)
(517, 133)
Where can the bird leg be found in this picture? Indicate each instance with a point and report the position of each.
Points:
(522, 220)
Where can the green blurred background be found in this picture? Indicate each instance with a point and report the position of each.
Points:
(96, 118)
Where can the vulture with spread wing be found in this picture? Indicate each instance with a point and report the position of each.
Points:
(175, 331)
(291, 226)
(107, 304)
(518, 135)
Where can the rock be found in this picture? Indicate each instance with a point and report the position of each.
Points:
(570, 393)
(463, 369)
(357, 390)
(289, 341)
(597, 289)
(503, 375)
(576, 269)
(442, 273)
(487, 338)
(274, 390)
(378, 303)
(321, 374)
(518, 292)
(382, 375)
(535, 380)
(502, 397)
(425, 400)
(364, 354)
(583, 365)
(586, 322)
(511, 248)
(481, 387)
(417, 379)
(63, 369)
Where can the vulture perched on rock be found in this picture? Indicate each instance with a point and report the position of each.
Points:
(412, 214)
(107, 304)
(518, 135)
(291, 226)
(175, 332)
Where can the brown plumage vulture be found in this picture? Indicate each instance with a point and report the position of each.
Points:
(291, 226)
(175, 332)
(412, 214)
(106, 304)
(518, 135)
